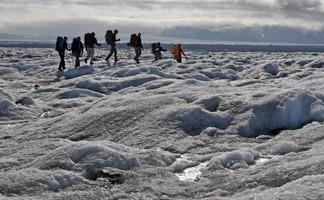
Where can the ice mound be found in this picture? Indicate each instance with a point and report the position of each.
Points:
(304, 62)
(32, 181)
(279, 148)
(26, 101)
(271, 68)
(200, 77)
(287, 110)
(7, 70)
(135, 71)
(217, 74)
(5, 107)
(307, 187)
(23, 67)
(4, 95)
(76, 93)
(85, 154)
(11, 111)
(316, 64)
(212, 131)
(234, 160)
(79, 71)
(235, 68)
(157, 84)
(282, 148)
(209, 103)
(134, 82)
(92, 85)
(194, 120)
(90, 158)
(181, 164)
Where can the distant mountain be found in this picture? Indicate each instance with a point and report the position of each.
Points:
(7, 36)
(265, 34)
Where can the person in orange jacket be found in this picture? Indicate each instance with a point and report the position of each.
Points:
(177, 52)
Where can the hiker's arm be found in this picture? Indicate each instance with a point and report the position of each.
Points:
(96, 42)
(66, 46)
(183, 53)
(117, 40)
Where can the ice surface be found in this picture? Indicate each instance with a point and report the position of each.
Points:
(220, 125)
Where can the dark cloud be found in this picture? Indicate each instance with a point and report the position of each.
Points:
(33, 16)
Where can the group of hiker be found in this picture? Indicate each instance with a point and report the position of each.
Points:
(90, 42)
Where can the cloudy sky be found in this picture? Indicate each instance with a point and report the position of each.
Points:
(53, 17)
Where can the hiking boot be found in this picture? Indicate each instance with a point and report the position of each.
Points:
(116, 59)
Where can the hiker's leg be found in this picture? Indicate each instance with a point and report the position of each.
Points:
(91, 52)
(77, 60)
(61, 60)
(115, 53)
(110, 53)
(62, 63)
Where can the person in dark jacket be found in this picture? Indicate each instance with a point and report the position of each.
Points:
(77, 50)
(61, 52)
(90, 47)
(138, 46)
(113, 49)
(157, 51)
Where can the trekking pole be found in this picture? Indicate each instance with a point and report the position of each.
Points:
(98, 53)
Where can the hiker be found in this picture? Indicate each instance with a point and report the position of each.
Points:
(138, 46)
(77, 50)
(61, 46)
(111, 40)
(89, 42)
(177, 52)
(156, 50)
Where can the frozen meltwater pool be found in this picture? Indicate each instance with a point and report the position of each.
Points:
(191, 174)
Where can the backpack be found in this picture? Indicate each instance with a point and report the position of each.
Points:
(133, 40)
(109, 37)
(88, 39)
(155, 47)
(75, 46)
(59, 43)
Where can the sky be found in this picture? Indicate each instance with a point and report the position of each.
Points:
(46, 18)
